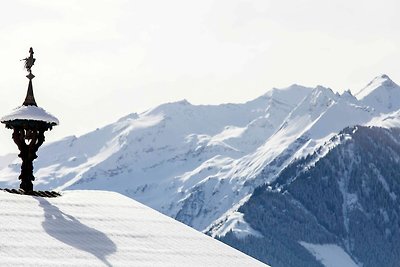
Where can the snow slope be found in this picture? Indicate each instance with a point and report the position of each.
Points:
(345, 202)
(95, 228)
(387, 120)
(330, 255)
(382, 94)
(308, 127)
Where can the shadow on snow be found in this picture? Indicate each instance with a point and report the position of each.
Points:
(72, 232)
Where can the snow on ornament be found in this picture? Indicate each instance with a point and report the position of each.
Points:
(30, 113)
(29, 122)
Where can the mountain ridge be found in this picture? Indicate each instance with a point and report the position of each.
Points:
(381, 93)
(348, 198)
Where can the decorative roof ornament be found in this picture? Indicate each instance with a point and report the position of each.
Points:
(29, 62)
(29, 122)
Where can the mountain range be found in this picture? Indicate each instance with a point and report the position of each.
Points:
(215, 167)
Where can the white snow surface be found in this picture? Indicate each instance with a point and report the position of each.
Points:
(236, 223)
(382, 94)
(330, 255)
(30, 113)
(98, 228)
(198, 163)
(389, 120)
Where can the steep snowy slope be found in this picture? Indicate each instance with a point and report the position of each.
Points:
(382, 94)
(346, 200)
(310, 125)
(93, 228)
(387, 120)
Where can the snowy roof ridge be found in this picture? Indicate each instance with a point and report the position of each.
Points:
(93, 228)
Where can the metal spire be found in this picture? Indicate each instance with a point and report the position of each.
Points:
(29, 62)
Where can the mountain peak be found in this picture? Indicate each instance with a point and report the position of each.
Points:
(322, 92)
(378, 82)
(347, 95)
(382, 94)
(291, 95)
(382, 80)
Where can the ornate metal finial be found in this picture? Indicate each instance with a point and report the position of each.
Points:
(29, 62)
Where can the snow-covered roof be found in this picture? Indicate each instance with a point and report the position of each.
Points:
(95, 228)
(30, 113)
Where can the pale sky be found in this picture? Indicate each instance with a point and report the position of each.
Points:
(100, 60)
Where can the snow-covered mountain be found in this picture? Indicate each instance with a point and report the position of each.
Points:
(199, 164)
(190, 162)
(382, 94)
(339, 209)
